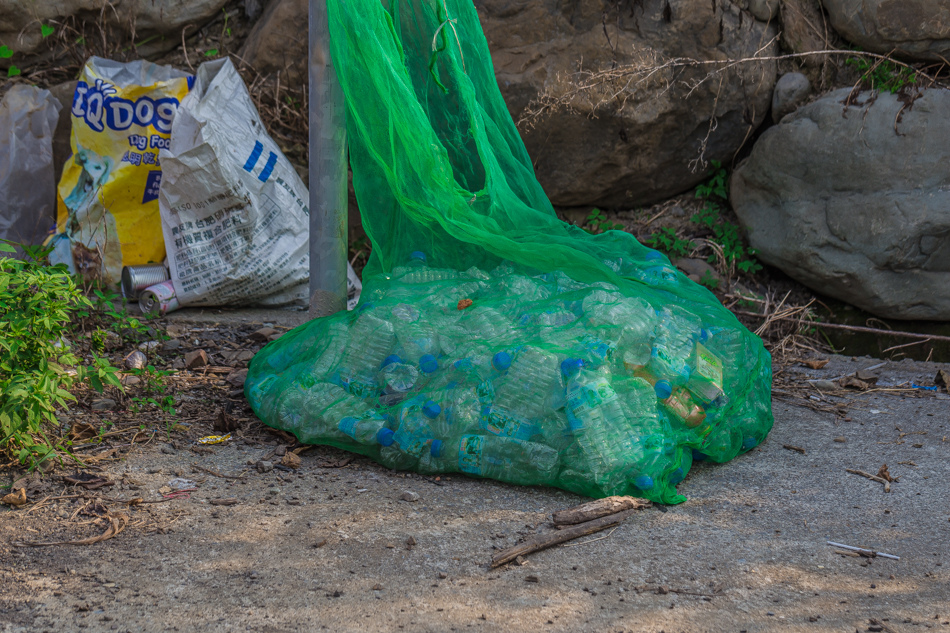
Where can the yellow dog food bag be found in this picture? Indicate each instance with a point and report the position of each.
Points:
(107, 200)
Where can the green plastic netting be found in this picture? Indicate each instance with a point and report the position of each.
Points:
(492, 338)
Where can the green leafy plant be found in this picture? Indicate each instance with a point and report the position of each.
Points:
(709, 280)
(669, 242)
(6, 53)
(883, 74)
(37, 362)
(715, 194)
(47, 30)
(211, 52)
(597, 222)
(155, 394)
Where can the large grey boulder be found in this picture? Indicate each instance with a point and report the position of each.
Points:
(624, 154)
(157, 24)
(918, 29)
(636, 150)
(850, 195)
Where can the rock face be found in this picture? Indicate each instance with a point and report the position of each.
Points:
(639, 151)
(159, 22)
(917, 29)
(804, 30)
(626, 156)
(850, 195)
(278, 42)
(764, 10)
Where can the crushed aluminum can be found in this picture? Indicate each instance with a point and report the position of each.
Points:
(159, 299)
(213, 439)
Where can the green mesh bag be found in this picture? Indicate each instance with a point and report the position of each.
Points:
(491, 338)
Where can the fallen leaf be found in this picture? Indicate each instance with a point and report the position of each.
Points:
(815, 364)
(117, 523)
(237, 377)
(410, 543)
(224, 423)
(464, 303)
(883, 473)
(82, 431)
(866, 376)
(88, 481)
(291, 460)
(17, 498)
(854, 383)
(264, 334)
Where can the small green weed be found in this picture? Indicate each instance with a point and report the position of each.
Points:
(715, 194)
(667, 241)
(155, 394)
(883, 74)
(709, 280)
(597, 222)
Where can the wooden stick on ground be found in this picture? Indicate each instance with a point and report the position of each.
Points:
(596, 509)
(887, 484)
(544, 541)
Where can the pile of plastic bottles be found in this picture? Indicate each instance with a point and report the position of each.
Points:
(526, 378)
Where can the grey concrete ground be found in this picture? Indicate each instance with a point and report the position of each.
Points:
(326, 548)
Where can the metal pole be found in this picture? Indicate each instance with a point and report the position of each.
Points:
(328, 173)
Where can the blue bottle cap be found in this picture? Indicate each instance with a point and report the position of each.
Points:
(436, 449)
(389, 360)
(643, 482)
(663, 389)
(463, 363)
(428, 363)
(703, 335)
(571, 365)
(677, 476)
(417, 255)
(653, 256)
(431, 409)
(698, 457)
(347, 424)
(749, 443)
(501, 361)
(385, 437)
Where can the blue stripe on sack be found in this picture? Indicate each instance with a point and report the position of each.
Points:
(254, 157)
(268, 168)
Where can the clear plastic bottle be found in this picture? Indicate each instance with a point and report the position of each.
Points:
(417, 271)
(658, 272)
(531, 386)
(366, 429)
(397, 379)
(371, 340)
(597, 420)
(676, 335)
(335, 342)
(499, 458)
(415, 336)
(314, 411)
(488, 325)
(415, 426)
